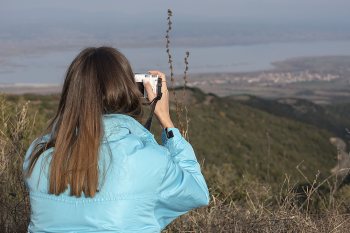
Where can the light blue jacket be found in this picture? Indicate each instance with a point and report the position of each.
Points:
(146, 185)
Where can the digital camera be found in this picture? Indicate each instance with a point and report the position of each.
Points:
(153, 79)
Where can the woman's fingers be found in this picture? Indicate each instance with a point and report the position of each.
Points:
(149, 90)
(162, 76)
(157, 72)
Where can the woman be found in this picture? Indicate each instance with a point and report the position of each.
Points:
(97, 169)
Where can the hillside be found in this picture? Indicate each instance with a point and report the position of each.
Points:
(223, 130)
(226, 131)
(333, 118)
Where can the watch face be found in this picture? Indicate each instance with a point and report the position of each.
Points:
(169, 134)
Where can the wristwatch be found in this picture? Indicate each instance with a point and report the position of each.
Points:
(169, 134)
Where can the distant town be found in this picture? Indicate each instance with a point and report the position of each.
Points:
(264, 79)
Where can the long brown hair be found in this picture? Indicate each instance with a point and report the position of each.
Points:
(98, 81)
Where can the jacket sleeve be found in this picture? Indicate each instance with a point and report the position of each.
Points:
(183, 186)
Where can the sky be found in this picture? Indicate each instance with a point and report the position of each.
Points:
(250, 10)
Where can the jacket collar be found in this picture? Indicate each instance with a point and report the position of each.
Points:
(116, 122)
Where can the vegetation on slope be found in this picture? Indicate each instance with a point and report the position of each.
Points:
(333, 118)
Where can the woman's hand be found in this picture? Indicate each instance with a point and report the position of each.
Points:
(162, 107)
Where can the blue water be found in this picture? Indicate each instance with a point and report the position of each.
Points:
(50, 67)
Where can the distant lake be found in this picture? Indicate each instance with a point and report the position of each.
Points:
(50, 67)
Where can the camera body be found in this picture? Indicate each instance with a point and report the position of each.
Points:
(153, 79)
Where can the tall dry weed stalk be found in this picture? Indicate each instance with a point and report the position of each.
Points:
(181, 108)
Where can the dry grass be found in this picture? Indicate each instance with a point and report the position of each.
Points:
(15, 129)
(251, 206)
(221, 217)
